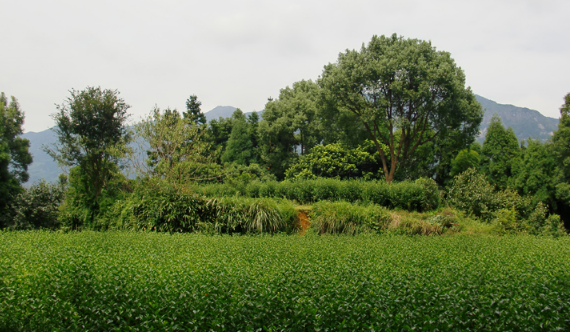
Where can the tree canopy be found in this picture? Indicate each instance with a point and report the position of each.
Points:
(406, 86)
(193, 112)
(176, 150)
(561, 142)
(239, 148)
(14, 154)
(92, 134)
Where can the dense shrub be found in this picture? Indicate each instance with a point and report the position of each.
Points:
(506, 209)
(162, 210)
(420, 195)
(166, 209)
(37, 207)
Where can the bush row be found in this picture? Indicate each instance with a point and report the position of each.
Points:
(169, 210)
(419, 195)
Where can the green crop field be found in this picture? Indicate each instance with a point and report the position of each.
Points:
(121, 281)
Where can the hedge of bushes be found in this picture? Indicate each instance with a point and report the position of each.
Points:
(169, 210)
(419, 195)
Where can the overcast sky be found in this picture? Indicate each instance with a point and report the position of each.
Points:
(239, 53)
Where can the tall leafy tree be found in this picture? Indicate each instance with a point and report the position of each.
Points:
(561, 150)
(402, 85)
(193, 112)
(277, 140)
(291, 125)
(176, 149)
(501, 152)
(92, 135)
(14, 154)
(217, 135)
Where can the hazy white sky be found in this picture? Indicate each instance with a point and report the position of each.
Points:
(239, 53)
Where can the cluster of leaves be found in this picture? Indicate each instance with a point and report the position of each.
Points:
(419, 195)
(150, 281)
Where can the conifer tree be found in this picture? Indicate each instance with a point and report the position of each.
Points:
(239, 148)
(501, 152)
(193, 112)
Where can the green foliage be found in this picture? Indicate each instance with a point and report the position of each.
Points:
(231, 214)
(465, 160)
(193, 112)
(330, 161)
(37, 207)
(92, 135)
(175, 148)
(165, 208)
(561, 139)
(420, 195)
(290, 124)
(239, 148)
(501, 153)
(471, 192)
(561, 152)
(346, 218)
(80, 210)
(253, 130)
(217, 135)
(14, 155)
(405, 86)
(535, 174)
(154, 282)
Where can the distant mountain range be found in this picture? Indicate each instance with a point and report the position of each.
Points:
(224, 112)
(525, 123)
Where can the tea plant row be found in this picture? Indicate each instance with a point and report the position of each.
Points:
(132, 281)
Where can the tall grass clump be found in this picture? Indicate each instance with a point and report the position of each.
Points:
(231, 214)
(348, 218)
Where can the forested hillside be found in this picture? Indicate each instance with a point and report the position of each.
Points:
(525, 122)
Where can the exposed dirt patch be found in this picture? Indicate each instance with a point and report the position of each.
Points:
(303, 222)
